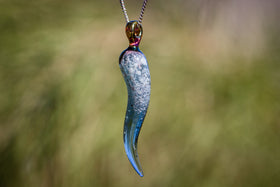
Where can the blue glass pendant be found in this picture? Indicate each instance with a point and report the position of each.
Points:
(135, 70)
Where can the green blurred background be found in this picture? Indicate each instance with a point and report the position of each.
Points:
(213, 119)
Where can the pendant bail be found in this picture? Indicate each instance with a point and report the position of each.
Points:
(134, 33)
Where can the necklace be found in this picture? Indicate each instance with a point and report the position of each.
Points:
(135, 70)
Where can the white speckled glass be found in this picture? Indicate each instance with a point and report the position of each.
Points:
(135, 70)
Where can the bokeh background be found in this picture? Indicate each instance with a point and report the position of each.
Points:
(213, 119)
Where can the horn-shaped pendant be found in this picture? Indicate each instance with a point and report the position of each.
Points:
(135, 70)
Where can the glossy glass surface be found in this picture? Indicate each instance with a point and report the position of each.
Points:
(135, 70)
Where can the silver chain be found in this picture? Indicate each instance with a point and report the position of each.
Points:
(141, 13)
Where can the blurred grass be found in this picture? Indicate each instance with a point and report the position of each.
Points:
(214, 113)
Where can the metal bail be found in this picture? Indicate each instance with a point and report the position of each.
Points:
(134, 33)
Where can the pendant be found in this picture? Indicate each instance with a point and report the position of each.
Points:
(135, 70)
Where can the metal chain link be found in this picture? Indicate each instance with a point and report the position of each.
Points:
(141, 13)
